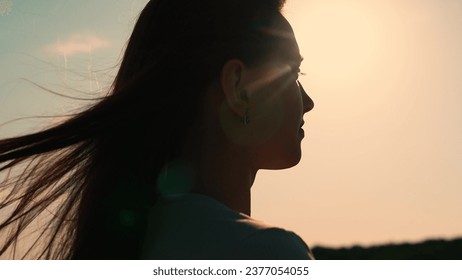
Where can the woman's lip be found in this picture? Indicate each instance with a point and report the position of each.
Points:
(301, 131)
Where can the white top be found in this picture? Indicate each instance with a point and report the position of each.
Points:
(193, 226)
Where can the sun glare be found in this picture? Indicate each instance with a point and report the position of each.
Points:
(345, 38)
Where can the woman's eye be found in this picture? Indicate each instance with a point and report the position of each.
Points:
(299, 72)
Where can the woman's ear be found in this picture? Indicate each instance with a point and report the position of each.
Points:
(232, 86)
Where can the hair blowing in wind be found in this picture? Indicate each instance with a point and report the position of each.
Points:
(91, 180)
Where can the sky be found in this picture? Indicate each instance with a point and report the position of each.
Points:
(382, 155)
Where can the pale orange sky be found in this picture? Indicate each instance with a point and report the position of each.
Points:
(382, 156)
(383, 153)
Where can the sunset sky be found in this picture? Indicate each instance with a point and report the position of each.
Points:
(382, 156)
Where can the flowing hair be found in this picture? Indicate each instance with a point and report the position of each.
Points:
(91, 179)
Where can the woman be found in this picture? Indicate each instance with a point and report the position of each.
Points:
(206, 95)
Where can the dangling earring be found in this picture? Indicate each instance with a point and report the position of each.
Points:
(246, 118)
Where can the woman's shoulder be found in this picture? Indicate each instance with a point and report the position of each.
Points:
(272, 243)
(198, 227)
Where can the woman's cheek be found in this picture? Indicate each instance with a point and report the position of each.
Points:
(269, 115)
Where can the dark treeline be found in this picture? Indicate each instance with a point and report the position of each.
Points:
(427, 250)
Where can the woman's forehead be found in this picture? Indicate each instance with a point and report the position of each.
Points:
(287, 49)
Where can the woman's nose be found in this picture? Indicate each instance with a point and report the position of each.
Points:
(308, 103)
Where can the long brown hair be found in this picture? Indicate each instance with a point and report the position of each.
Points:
(94, 175)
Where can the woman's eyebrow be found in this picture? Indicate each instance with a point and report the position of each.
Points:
(292, 59)
(297, 61)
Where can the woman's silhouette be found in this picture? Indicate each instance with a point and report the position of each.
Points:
(206, 95)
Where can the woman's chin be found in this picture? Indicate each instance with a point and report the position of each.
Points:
(285, 162)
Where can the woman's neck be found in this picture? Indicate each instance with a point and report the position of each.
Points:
(224, 177)
(221, 169)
